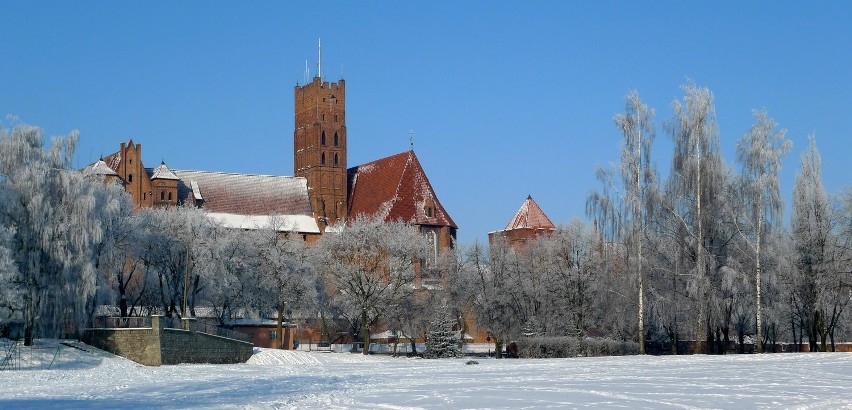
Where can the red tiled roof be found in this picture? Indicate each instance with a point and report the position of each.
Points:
(245, 194)
(395, 188)
(530, 216)
(113, 160)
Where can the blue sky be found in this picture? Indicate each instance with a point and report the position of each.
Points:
(505, 99)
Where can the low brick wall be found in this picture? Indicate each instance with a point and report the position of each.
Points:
(156, 345)
(184, 346)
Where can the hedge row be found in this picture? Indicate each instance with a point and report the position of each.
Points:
(567, 346)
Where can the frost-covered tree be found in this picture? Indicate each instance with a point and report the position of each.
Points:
(287, 273)
(822, 294)
(637, 178)
(442, 340)
(760, 152)
(697, 200)
(368, 267)
(10, 298)
(231, 272)
(54, 211)
(176, 241)
(496, 297)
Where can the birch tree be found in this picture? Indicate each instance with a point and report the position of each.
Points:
(760, 152)
(695, 195)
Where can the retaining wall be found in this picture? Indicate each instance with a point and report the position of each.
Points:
(156, 345)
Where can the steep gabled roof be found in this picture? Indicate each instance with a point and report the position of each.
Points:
(395, 188)
(163, 172)
(246, 194)
(530, 216)
(99, 168)
(112, 160)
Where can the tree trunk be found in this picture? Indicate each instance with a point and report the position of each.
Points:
(498, 348)
(365, 332)
(279, 339)
(757, 282)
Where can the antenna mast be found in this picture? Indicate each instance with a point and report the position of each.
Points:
(411, 139)
(307, 72)
(319, 58)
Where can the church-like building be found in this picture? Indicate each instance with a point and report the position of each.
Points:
(323, 191)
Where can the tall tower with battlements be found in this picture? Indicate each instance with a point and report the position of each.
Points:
(319, 147)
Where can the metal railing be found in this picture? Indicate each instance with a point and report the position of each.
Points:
(218, 331)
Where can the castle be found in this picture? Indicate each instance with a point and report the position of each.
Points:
(322, 192)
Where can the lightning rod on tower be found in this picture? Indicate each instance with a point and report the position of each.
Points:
(319, 58)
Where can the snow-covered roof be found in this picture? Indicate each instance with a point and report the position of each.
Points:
(163, 172)
(246, 194)
(396, 188)
(99, 168)
(279, 223)
(530, 216)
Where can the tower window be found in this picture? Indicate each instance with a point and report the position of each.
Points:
(336, 139)
(335, 117)
(322, 138)
(130, 178)
(335, 159)
(162, 196)
(322, 159)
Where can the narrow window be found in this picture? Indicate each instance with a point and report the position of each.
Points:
(130, 178)
(170, 196)
(335, 159)
(336, 140)
(322, 139)
(335, 116)
(162, 196)
(322, 159)
(143, 196)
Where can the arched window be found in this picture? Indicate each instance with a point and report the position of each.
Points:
(322, 138)
(162, 195)
(336, 142)
(335, 159)
(170, 196)
(322, 159)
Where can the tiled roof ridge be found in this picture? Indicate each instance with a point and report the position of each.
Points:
(236, 173)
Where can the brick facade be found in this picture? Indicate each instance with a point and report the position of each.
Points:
(319, 147)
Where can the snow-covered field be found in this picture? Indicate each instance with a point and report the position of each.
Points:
(282, 379)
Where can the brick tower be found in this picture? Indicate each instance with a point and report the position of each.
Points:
(319, 147)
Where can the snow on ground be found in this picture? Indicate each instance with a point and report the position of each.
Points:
(91, 378)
